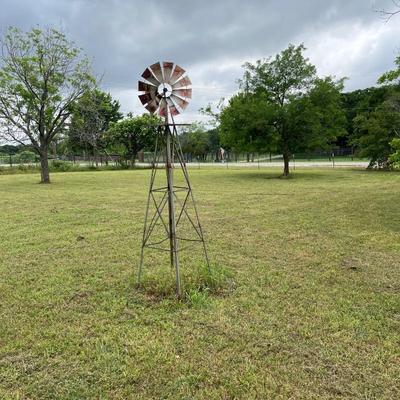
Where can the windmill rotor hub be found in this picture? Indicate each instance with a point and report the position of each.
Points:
(166, 90)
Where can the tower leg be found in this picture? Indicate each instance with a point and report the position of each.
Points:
(169, 138)
(171, 209)
(186, 176)
(153, 174)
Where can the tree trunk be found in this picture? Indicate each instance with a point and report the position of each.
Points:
(286, 158)
(133, 159)
(95, 154)
(44, 167)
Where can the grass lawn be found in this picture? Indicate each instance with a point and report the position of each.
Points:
(311, 308)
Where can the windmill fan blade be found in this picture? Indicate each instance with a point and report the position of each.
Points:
(186, 93)
(178, 72)
(157, 71)
(163, 108)
(182, 83)
(146, 98)
(167, 67)
(172, 109)
(152, 106)
(145, 87)
(165, 89)
(180, 102)
(150, 77)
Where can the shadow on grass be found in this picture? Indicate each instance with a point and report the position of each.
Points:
(297, 175)
(199, 285)
(267, 175)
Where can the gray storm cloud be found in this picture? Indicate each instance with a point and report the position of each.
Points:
(212, 39)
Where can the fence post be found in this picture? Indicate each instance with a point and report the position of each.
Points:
(10, 160)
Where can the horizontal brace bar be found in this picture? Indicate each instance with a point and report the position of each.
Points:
(190, 240)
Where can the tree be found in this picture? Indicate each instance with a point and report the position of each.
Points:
(90, 119)
(133, 134)
(376, 128)
(393, 76)
(247, 123)
(395, 157)
(375, 131)
(42, 76)
(9, 149)
(195, 141)
(390, 14)
(283, 106)
(362, 101)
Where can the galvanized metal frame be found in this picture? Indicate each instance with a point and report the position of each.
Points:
(167, 143)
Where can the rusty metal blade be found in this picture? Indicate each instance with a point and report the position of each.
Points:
(172, 109)
(163, 110)
(180, 102)
(145, 98)
(167, 67)
(152, 106)
(150, 77)
(182, 83)
(145, 87)
(185, 93)
(157, 71)
(178, 72)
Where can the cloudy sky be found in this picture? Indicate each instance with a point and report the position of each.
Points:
(211, 39)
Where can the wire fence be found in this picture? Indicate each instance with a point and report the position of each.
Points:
(216, 158)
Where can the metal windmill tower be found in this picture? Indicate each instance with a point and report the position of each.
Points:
(166, 91)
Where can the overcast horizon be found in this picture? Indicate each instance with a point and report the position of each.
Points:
(212, 40)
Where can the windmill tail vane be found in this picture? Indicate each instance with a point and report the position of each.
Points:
(172, 222)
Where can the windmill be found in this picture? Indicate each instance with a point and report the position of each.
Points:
(166, 92)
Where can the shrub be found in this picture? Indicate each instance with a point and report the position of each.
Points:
(395, 157)
(25, 156)
(60, 166)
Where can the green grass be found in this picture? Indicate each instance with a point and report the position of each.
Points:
(307, 304)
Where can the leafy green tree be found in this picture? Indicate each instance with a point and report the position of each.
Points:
(361, 101)
(247, 123)
(195, 141)
(376, 128)
(283, 106)
(374, 132)
(90, 119)
(214, 141)
(317, 118)
(41, 77)
(133, 134)
(25, 156)
(395, 157)
(393, 76)
(9, 149)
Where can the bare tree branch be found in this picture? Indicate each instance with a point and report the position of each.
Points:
(388, 15)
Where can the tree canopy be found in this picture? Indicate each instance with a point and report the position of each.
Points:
(133, 134)
(283, 106)
(376, 126)
(197, 141)
(41, 77)
(90, 119)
